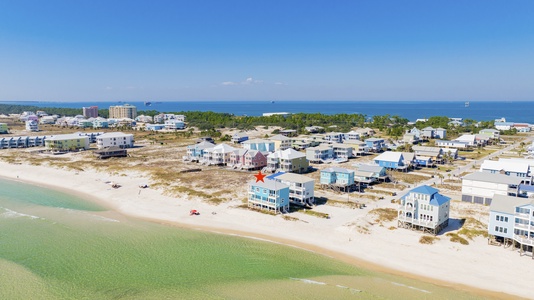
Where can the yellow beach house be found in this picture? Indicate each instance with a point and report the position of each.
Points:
(67, 142)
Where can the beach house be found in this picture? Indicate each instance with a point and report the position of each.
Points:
(239, 137)
(492, 133)
(334, 137)
(269, 195)
(281, 142)
(173, 124)
(67, 142)
(301, 188)
(510, 168)
(32, 125)
(368, 174)
(339, 179)
(237, 158)
(433, 152)
(342, 151)
(480, 187)
(427, 133)
(118, 139)
(451, 144)
(410, 138)
(503, 125)
(375, 144)
(259, 144)
(100, 123)
(196, 152)
(288, 160)
(351, 136)
(511, 222)
(254, 160)
(4, 128)
(321, 153)
(392, 160)
(218, 155)
(424, 208)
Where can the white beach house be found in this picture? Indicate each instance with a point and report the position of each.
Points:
(301, 188)
(481, 187)
(424, 208)
(118, 139)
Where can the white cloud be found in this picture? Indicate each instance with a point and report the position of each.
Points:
(229, 83)
(108, 88)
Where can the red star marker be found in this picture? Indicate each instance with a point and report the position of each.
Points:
(259, 176)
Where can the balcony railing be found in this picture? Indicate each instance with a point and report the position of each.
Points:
(524, 240)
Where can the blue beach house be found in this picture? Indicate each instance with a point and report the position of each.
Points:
(270, 195)
(337, 176)
(259, 144)
(375, 144)
(391, 160)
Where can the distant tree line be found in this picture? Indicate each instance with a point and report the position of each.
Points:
(61, 111)
(394, 126)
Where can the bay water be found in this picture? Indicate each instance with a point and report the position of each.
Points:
(514, 111)
(55, 245)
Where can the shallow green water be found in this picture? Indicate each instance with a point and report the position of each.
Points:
(54, 246)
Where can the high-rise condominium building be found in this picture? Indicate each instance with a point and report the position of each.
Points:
(123, 111)
(90, 112)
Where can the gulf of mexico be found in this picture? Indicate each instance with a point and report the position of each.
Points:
(52, 246)
(518, 111)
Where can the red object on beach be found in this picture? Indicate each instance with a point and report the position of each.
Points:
(194, 212)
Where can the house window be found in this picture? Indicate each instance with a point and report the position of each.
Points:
(257, 189)
(505, 219)
(505, 230)
(497, 218)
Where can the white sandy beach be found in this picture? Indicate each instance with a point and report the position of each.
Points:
(477, 266)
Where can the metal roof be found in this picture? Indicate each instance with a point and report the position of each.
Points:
(270, 184)
(507, 204)
(493, 178)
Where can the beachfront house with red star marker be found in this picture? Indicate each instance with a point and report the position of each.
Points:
(268, 195)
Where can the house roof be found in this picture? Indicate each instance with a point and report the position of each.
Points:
(292, 177)
(421, 157)
(493, 178)
(114, 134)
(361, 173)
(441, 129)
(374, 140)
(466, 138)
(490, 130)
(338, 145)
(270, 184)
(530, 162)
(390, 156)
(240, 152)
(438, 199)
(428, 128)
(337, 170)
(291, 154)
(240, 134)
(287, 154)
(424, 189)
(408, 156)
(70, 136)
(319, 148)
(370, 168)
(257, 141)
(224, 148)
(507, 204)
(509, 166)
(279, 137)
(426, 149)
(202, 145)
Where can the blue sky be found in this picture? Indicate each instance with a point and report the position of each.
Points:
(266, 50)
